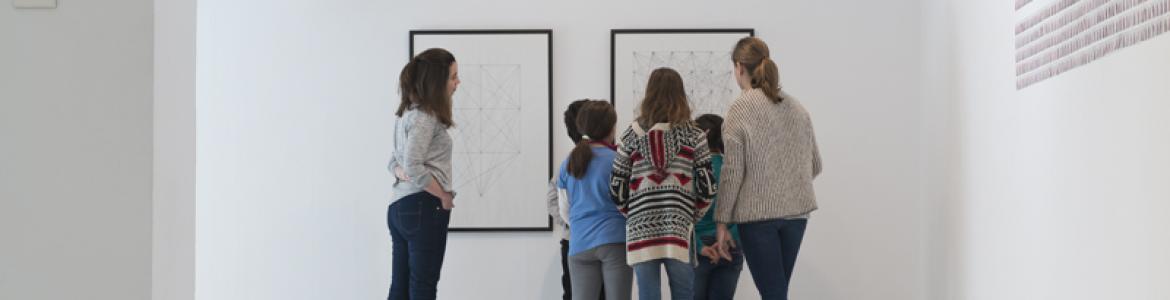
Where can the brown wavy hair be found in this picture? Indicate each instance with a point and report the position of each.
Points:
(665, 100)
(423, 82)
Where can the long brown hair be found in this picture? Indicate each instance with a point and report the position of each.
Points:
(595, 121)
(752, 53)
(423, 82)
(665, 100)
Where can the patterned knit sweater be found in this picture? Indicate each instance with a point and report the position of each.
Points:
(662, 180)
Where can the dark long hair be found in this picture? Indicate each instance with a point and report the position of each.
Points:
(666, 99)
(752, 53)
(595, 120)
(423, 82)
(713, 124)
(571, 120)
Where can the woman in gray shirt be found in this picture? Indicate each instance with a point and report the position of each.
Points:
(421, 164)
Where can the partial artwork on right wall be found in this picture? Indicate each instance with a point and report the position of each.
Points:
(1056, 36)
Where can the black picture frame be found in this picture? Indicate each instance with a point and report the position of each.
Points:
(549, 34)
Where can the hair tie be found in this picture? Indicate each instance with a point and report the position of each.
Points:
(585, 137)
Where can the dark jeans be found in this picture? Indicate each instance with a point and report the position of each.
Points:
(770, 248)
(418, 229)
(717, 281)
(566, 283)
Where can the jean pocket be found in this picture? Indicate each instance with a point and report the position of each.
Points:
(441, 218)
(409, 217)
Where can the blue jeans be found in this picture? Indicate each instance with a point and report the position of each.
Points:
(681, 275)
(418, 229)
(718, 281)
(770, 248)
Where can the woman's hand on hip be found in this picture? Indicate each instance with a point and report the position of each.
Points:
(398, 172)
(447, 200)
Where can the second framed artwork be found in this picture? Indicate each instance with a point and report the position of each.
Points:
(701, 56)
(502, 156)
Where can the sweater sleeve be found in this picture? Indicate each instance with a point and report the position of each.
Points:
(394, 158)
(816, 153)
(705, 187)
(563, 204)
(554, 209)
(619, 183)
(418, 142)
(390, 166)
(732, 174)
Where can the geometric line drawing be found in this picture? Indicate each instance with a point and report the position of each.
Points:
(707, 76)
(502, 138)
(486, 109)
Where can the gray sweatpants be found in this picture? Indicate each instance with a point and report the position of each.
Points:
(605, 263)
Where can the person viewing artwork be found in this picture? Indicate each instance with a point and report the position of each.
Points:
(596, 254)
(662, 179)
(770, 160)
(715, 277)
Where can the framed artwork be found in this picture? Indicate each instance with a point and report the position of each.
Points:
(502, 156)
(701, 56)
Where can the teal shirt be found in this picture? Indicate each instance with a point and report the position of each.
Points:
(706, 226)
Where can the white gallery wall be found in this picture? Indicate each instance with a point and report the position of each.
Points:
(173, 238)
(270, 125)
(940, 151)
(294, 121)
(1062, 190)
(75, 150)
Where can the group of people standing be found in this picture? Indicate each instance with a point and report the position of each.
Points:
(696, 197)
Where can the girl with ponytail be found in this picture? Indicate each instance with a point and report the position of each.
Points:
(596, 253)
(595, 121)
(766, 189)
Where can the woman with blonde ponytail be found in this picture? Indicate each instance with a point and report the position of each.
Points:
(596, 253)
(767, 189)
